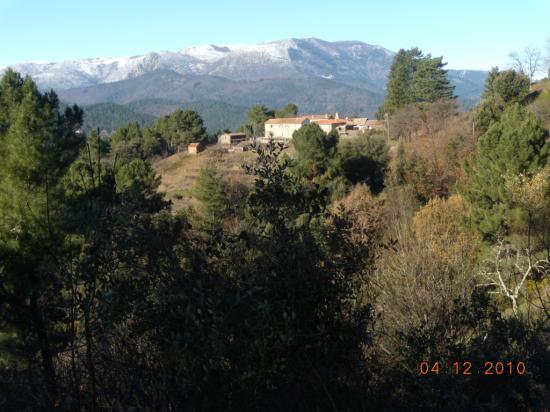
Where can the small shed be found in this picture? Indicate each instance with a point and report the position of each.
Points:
(231, 138)
(195, 148)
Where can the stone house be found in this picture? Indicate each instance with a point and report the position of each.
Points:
(195, 148)
(283, 128)
(328, 125)
(363, 124)
(231, 138)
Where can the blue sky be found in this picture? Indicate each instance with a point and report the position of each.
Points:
(469, 34)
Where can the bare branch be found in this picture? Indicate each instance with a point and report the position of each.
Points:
(512, 268)
(528, 62)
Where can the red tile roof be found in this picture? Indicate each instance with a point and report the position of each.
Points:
(287, 120)
(330, 121)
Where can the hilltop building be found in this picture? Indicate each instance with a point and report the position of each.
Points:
(231, 138)
(362, 124)
(281, 129)
(195, 148)
(328, 125)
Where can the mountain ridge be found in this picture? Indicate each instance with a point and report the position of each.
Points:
(310, 94)
(321, 75)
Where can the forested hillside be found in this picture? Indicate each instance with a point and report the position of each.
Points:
(110, 116)
(216, 115)
(404, 269)
(312, 93)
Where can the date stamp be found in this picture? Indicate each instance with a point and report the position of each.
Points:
(467, 368)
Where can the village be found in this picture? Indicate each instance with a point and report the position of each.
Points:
(282, 129)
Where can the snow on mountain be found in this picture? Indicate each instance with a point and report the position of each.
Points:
(274, 51)
(87, 72)
(348, 63)
(344, 61)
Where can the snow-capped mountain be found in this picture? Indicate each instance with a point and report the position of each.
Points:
(88, 72)
(349, 61)
(315, 74)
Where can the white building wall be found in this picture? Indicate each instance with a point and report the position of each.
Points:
(281, 131)
(327, 128)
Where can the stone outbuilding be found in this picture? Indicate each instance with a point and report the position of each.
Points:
(195, 148)
(231, 138)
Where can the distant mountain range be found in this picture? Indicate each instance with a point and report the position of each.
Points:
(319, 76)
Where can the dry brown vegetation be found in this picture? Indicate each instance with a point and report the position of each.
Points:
(179, 172)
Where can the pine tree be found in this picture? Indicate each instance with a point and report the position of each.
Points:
(181, 128)
(488, 88)
(429, 82)
(316, 151)
(399, 91)
(510, 86)
(255, 119)
(290, 110)
(37, 144)
(415, 78)
(516, 144)
(210, 190)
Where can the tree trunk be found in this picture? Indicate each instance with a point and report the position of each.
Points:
(45, 352)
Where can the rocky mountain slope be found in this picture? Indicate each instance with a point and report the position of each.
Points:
(349, 76)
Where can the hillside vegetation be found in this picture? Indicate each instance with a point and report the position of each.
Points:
(216, 115)
(313, 94)
(404, 270)
(540, 100)
(110, 116)
(180, 171)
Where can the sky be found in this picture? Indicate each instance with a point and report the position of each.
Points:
(469, 34)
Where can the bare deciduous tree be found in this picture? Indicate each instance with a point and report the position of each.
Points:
(528, 62)
(510, 269)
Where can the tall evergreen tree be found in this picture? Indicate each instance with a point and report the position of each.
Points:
(399, 91)
(516, 144)
(488, 87)
(37, 144)
(290, 110)
(255, 119)
(501, 90)
(181, 128)
(429, 82)
(315, 150)
(415, 78)
(209, 189)
(510, 86)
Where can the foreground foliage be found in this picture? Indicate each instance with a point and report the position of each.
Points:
(323, 290)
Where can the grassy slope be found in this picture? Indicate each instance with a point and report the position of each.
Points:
(179, 172)
(543, 85)
(540, 103)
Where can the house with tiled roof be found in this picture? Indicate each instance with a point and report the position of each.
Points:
(328, 125)
(318, 116)
(283, 128)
